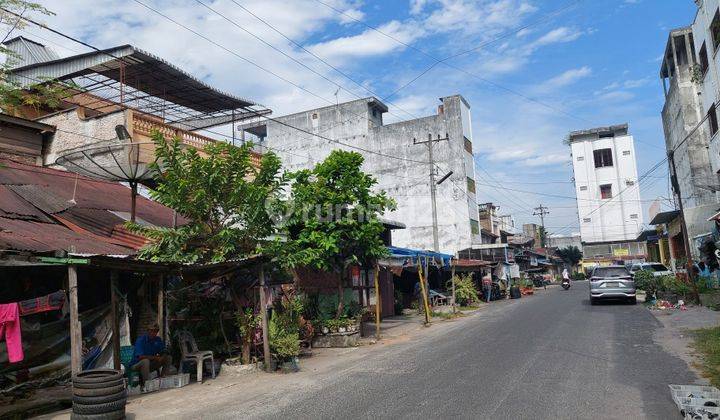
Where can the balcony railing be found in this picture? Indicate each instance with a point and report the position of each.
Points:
(142, 126)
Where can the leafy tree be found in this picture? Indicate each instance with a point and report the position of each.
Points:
(15, 95)
(465, 291)
(220, 193)
(571, 255)
(542, 235)
(331, 221)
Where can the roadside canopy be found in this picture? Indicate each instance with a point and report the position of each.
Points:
(407, 256)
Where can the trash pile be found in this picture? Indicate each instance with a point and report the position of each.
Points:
(697, 402)
(664, 304)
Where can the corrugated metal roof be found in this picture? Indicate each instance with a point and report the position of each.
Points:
(142, 71)
(28, 194)
(30, 52)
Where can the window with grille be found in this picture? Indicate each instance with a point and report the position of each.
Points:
(603, 157)
(468, 145)
(715, 29)
(704, 62)
(633, 216)
(713, 120)
(471, 185)
(606, 191)
(583, 188)
(580, 158)
(629, 183)
(587, 220)
(474, 227)
(626, 153)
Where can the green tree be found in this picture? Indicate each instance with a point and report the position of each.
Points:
(332, 219)
(222, 195)
(14, 94)
(571, 255)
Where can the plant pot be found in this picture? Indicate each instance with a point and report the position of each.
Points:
(342, 329)
(325, 330)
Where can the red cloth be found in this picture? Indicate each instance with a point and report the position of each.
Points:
(10, 327)
(51, 302)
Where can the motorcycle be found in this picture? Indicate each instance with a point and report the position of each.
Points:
(565, 284)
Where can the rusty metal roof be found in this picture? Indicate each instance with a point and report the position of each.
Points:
(46, 210)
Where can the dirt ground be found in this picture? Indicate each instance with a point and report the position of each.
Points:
(675, 335)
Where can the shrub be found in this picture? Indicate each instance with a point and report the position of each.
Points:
(675, 285)
(465, 291)
(646, 280)
(579, 276)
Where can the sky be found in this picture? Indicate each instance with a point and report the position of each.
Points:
(532, 70)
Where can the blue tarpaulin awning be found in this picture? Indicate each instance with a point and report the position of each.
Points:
(407, 253)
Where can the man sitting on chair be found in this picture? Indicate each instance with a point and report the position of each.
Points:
(150, 354)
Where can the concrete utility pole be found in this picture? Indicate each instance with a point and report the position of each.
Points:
(683, 226)
(542, 211)
(433, 186)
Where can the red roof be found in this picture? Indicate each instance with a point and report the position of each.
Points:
(37, 213)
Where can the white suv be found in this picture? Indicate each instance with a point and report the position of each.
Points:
(657, 269)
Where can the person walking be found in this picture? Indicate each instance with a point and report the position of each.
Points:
(487, 286)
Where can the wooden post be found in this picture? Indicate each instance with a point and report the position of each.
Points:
(377, 302)
(75, 330)
(452, 280)
(422, 291)
(263, 317)
(115, 319)
(161, 306)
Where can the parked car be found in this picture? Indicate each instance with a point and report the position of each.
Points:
(612, 282)
(657, 269)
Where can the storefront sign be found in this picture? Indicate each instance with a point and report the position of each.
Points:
(621, 252)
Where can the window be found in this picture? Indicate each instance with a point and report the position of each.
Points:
(374, 112)
(471, 185)
(583, 188)
(468, 145)
(581, 158)
(606, 191)
(314, 116)
(629, 183)
(587, 220)
(633, 216)
(713, 120)
(606, 134)
(603, 157)
(704, 63)
(715, 30)
(474, 227)
(626, 153)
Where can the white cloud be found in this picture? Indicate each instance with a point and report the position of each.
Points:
(368, 43)
(566, 78)
(559, 35)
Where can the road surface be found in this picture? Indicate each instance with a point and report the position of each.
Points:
(551, 356)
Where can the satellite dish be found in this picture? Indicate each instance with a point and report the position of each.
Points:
(120, 160)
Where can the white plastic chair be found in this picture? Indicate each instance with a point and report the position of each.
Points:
(190, 353)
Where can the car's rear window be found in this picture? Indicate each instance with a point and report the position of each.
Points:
(610, 272)
(658, 267)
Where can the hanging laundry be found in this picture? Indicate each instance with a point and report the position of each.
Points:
(51, 302)
(10, 329)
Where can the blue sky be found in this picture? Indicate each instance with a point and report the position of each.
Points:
(577, 64)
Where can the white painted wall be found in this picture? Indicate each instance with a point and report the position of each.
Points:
(407, 182)
(619, 218)
(711, 81)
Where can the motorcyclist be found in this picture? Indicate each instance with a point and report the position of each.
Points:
(565, 276)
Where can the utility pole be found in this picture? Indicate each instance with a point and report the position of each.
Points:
(683, 226)
(542, 211)
(429, 142)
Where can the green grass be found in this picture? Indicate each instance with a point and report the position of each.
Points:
(707, 343)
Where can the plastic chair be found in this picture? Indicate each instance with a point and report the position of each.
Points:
(190, 353)
(126, 355)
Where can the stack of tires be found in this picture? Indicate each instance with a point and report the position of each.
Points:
(99, 394)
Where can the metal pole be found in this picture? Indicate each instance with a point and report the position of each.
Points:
(75, 329)
(452, 279)
(133, 200)
(263, 317)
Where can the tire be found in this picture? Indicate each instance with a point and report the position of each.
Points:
(593, 301)
(100, 399)
(97, 376)
(99, 408)
(115, 415)
(100, 385)
(98, 392)
(632, 301)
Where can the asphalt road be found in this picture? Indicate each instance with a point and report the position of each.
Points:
(551, 356)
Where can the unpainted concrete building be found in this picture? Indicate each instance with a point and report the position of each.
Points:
(400, 166)
(681, 115)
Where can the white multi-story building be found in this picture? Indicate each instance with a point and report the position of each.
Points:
(392, 156)
(606, 184)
